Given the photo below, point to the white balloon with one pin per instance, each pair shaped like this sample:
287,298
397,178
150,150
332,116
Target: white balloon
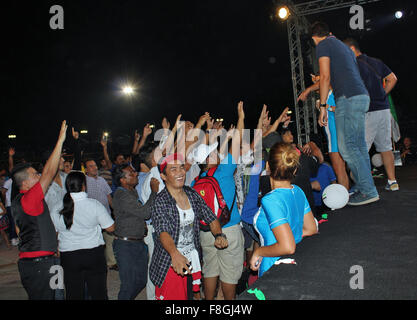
377,160
335,196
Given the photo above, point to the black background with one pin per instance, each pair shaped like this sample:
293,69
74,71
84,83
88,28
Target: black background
183,57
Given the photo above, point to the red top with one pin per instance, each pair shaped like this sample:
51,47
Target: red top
32,204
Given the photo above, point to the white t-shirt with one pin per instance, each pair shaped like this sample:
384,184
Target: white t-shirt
8,186
186,240
146,187
90,216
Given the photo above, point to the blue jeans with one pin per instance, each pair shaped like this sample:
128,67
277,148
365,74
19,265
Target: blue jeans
132,259
350,127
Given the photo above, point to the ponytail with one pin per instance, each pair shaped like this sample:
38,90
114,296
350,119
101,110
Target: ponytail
74,183
68,211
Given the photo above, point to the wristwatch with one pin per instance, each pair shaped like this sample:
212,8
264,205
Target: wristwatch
323,105
220,235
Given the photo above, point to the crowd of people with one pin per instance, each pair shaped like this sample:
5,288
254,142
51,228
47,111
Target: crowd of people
193,207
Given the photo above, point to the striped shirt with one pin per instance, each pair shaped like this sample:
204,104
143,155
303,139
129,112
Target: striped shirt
98,188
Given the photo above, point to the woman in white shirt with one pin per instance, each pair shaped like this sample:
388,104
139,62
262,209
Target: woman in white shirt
79,225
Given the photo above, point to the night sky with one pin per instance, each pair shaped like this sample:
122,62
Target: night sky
183,57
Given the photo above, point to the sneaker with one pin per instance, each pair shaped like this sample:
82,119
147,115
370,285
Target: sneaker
352,191
359,199
392,186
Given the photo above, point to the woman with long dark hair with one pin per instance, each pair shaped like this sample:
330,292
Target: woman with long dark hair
79,224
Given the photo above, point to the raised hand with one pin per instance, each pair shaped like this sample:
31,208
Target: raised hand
262,116
203,119
11,152
240,111
103,142
232,132
284,117
266,121
287,122
218,125
210,123
137,135
147,130
165,124
177,121
75,134
63,132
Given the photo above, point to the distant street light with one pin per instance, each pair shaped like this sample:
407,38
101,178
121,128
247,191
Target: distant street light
12,136
128,90
83,131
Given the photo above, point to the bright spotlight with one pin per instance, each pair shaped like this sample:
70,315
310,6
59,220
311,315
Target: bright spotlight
399,14
128,90
283,13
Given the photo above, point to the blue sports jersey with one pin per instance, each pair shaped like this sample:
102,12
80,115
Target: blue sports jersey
278,207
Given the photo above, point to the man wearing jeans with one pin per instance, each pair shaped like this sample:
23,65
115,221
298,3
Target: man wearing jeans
378,119
338,68
129,247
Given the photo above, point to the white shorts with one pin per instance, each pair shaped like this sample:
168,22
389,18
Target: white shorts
378,130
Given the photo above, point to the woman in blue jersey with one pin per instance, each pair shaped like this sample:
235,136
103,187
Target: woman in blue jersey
285,216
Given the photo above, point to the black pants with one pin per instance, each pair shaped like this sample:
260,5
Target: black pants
36,277
12,228
87,266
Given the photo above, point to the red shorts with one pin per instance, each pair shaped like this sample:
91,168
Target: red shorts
175,286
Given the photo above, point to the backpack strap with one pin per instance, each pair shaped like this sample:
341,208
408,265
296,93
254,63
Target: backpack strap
212,171
219,195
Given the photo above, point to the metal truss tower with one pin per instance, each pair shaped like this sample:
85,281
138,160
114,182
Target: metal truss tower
298,25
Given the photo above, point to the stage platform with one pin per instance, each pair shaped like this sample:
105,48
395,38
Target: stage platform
380,238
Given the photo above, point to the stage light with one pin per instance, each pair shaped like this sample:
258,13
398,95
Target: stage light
283,12
399,14
12,136
84,131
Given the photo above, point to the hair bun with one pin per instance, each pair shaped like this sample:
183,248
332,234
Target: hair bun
289,158
283,161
